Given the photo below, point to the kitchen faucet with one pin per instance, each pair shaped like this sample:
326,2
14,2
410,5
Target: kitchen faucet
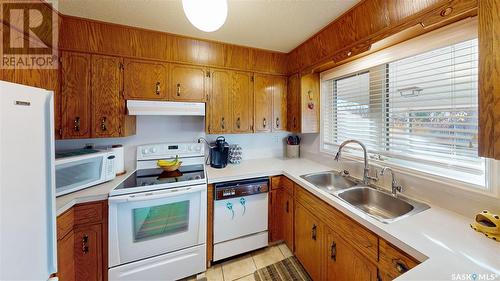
394,185
366,177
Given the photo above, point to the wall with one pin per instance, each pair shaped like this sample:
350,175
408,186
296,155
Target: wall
447,196
158,129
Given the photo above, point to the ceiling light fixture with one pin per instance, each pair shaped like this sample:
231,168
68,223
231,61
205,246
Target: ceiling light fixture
206,15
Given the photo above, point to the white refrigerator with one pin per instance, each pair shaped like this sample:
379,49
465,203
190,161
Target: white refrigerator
27,184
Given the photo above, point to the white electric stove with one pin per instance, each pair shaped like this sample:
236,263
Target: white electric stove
157,219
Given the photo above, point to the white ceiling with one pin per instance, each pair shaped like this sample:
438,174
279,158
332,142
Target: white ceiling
278,25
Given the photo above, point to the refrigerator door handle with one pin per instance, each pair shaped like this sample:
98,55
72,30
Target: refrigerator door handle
51,184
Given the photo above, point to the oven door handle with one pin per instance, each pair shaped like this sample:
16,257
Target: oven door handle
154,195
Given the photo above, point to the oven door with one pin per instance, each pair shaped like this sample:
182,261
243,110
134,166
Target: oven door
147,224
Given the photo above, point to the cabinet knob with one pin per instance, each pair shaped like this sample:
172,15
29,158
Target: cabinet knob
313,232
103,124
77,124
287,206
85,247
333,251
178,89
158,89
238,123
222,123
264,122
401,267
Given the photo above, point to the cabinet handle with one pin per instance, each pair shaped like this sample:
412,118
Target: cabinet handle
264,122
287,206
103,124
85,247
238,123
313,232
77,124
178,89
333,253
401,267
158,89
277,122
294,122
222,125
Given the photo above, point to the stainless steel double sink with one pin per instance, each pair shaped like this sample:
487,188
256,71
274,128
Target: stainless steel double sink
376,203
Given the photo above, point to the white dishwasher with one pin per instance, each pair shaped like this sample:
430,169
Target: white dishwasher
240,217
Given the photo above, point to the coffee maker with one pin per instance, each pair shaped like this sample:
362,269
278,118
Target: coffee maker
219,153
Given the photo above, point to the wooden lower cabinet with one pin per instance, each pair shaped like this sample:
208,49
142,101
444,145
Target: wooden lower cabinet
286,210
344,263
82,243
309,235
281,214
393,262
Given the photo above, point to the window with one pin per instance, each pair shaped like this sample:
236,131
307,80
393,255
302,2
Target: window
418,112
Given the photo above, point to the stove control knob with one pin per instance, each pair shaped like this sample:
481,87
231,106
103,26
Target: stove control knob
144,151
197,147
152,150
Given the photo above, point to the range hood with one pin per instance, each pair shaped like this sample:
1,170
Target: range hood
141,107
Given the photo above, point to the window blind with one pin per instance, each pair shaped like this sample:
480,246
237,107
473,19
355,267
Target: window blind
421,110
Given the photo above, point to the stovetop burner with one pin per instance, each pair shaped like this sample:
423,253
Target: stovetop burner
146,177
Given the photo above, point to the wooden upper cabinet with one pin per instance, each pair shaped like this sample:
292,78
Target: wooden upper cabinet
220,94
293,104
303,103
263,98
242,102
279,103
489,78
188,83
76,95
344,263
145,80
108,105
308,241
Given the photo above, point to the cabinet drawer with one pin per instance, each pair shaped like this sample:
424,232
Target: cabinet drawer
65,223
88,213
282,182
393,262
359,237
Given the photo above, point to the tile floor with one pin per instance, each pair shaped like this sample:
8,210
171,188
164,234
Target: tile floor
243,267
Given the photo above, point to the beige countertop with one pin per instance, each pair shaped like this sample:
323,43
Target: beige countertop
442,240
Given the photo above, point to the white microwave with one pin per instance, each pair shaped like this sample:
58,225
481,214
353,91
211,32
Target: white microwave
79,169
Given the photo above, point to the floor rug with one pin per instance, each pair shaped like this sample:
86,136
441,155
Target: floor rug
286,270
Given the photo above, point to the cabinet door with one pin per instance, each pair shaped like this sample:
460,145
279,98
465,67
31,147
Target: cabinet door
308,241
65,257
145,80
287,218
263,97
293,103
274,216
220,94
108,105
76,95
242,102
279,103
344,263
189,83
88,253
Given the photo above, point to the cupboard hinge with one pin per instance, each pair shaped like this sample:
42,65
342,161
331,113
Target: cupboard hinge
121,66
122,93
208,73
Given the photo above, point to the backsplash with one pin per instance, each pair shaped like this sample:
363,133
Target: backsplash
158,129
